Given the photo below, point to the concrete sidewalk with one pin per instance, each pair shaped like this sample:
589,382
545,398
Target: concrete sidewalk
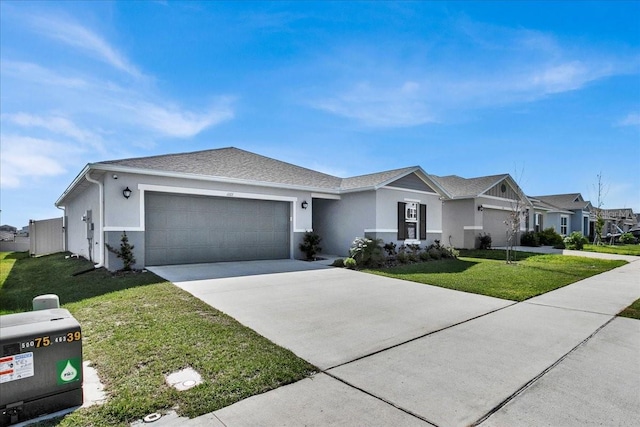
559,359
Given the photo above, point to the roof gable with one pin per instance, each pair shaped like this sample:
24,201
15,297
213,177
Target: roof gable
412,182
232,163
572,201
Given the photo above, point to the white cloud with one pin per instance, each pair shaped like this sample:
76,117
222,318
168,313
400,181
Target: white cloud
506,66
35,73
380,107
179,123
30,157
76,35
56,124
111,105
632,119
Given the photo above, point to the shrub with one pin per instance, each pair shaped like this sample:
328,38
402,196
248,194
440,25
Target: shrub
390,249
402,257
434,253
437,251
350,263
575,241
414,248
485,241
549,237
424,256
627,239
530,239
338,263
367,252
125,253
450,252
310,245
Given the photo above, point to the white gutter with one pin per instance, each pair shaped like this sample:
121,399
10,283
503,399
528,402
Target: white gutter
100,216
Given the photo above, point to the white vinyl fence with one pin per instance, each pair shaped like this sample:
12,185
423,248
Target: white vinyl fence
18,244
46,236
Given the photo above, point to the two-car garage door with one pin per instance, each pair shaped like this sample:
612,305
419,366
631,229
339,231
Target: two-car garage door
185,229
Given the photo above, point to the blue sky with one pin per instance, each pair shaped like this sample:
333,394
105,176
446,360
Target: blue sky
548,92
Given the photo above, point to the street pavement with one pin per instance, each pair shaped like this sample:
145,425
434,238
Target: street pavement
392,352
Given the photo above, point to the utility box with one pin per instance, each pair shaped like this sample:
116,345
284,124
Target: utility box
45,302
40,364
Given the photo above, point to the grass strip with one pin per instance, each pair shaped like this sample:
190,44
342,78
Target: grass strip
633,311
614,249
137,328
534,274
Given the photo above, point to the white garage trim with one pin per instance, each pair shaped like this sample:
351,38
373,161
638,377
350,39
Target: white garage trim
472,227
497,208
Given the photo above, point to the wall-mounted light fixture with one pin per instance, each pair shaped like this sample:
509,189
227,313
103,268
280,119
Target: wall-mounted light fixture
480,208
126,193
304,205
114,176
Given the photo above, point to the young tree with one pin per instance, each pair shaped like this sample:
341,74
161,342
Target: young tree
125,253
599,225
514,219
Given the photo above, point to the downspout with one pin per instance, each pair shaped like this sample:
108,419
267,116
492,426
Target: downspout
100,216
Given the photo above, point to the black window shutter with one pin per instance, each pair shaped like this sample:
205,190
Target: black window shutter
423,222
402,234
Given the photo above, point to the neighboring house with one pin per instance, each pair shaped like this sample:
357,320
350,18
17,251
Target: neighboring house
228,204
566,213
483,205
618,221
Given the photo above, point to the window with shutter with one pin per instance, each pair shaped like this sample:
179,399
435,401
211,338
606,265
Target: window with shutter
412,221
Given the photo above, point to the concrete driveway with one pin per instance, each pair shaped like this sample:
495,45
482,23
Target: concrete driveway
328,316
399,353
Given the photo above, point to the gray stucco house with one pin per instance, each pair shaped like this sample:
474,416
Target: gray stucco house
229,204
482,205
566,213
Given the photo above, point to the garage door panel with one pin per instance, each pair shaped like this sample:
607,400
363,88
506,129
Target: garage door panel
198,238
189,229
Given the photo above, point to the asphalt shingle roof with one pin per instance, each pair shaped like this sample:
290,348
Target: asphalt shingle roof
457,186
234,163
565,201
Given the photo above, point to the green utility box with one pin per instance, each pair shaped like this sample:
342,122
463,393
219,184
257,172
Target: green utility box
40,364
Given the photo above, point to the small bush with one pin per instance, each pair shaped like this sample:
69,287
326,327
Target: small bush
414,248
627,239
338,263
434,253
390,249
575,241
350,263
310,245
484,241
559,246
402,257
450,252
530,238
549,237
125,253
367,252
424,256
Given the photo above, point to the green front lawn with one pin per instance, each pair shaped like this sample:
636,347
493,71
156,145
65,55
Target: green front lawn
137,328
615,249
487,273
